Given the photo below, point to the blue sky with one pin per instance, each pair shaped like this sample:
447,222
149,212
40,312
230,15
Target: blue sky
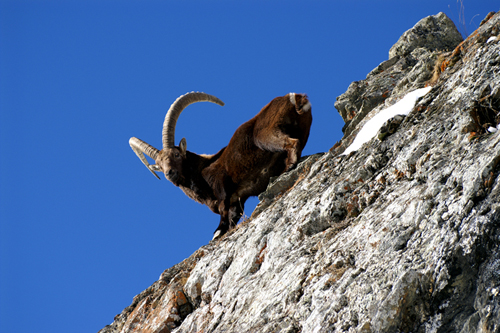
84,227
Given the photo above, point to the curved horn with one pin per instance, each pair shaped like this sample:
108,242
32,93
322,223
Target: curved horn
175,110
140,148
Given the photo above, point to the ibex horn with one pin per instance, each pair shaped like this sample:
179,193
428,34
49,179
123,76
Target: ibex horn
140,148
175,110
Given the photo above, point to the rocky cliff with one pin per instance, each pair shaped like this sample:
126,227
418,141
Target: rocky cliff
401,235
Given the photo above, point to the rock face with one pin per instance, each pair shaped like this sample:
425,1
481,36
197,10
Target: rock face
402,235
410,65
433,33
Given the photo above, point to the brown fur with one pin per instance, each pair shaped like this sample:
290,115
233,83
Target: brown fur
263,147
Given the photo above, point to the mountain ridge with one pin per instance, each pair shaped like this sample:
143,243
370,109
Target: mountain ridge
401,235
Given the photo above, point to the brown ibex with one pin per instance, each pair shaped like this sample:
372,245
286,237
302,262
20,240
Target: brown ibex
263,147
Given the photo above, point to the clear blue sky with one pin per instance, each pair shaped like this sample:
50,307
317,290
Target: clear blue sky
84,227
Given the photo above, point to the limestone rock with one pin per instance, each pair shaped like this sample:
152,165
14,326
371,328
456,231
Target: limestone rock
410,65
435,33
402,235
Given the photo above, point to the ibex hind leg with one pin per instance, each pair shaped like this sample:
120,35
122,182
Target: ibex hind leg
279,141
293,153
235,213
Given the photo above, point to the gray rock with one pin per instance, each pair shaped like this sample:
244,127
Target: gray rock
410,65
390,127
401,236
435,33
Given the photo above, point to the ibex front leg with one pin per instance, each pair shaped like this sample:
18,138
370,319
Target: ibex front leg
292,147
229,217
223,225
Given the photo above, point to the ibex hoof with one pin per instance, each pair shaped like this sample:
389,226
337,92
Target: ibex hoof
217,234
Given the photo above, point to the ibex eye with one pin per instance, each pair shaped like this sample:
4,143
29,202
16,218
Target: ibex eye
177,155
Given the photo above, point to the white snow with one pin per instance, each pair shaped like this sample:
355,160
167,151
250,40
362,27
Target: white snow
492,129
491,39
370,129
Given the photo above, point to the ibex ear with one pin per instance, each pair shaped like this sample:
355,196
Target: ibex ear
182,146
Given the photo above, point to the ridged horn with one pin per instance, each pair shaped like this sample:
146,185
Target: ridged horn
140,148
175,110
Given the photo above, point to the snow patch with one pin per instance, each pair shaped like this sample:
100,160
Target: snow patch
370,129
491,39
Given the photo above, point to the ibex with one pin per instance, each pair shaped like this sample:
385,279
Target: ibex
265,146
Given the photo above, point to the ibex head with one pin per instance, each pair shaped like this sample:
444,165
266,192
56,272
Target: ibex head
170,159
